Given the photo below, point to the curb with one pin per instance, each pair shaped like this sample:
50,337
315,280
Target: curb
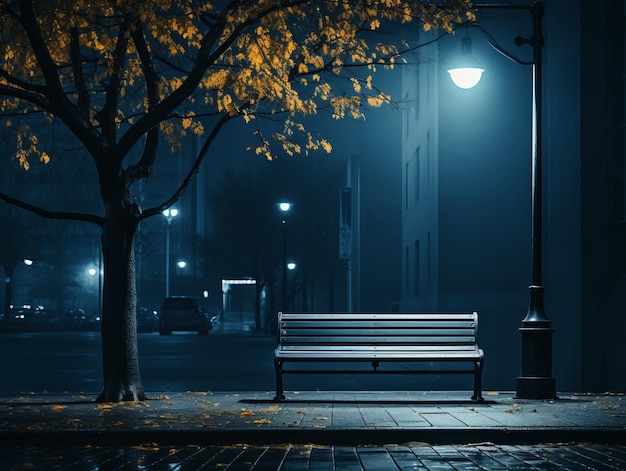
351,437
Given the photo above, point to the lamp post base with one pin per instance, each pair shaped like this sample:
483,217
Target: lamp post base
536,388
535,380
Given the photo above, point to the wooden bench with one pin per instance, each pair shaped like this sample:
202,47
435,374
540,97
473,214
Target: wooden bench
379,338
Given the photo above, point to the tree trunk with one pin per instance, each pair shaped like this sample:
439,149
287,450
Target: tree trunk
120,359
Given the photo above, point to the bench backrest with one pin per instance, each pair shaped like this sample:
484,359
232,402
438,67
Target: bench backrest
418,330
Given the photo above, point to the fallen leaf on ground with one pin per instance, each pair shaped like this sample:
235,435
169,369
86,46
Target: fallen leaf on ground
147,447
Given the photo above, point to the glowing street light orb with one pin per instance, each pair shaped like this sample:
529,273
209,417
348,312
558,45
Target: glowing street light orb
466,77
284,206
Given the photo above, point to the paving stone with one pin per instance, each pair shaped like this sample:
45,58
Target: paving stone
442,419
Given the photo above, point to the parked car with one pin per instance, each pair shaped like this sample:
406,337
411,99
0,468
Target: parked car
183,313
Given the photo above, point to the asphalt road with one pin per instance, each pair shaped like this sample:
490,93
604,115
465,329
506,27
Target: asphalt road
58,362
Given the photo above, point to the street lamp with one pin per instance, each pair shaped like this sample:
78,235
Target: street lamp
535,381
169,215
284,207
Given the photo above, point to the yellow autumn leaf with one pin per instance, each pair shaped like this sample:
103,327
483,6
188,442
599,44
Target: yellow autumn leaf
374,101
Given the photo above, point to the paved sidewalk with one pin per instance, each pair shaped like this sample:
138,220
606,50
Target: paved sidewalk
404,457
323,418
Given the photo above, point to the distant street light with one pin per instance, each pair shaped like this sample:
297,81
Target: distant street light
92,272
28,262
169,215
535,381
181,264
284,207
291,266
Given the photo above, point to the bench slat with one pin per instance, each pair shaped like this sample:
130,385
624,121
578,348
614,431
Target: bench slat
380,347
353,330
367,339
416,325
368,356
378,315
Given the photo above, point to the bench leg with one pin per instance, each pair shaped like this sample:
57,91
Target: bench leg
478,376
278,366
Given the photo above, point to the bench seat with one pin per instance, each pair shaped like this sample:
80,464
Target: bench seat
379,338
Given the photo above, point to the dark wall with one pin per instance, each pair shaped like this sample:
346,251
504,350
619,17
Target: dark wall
484,194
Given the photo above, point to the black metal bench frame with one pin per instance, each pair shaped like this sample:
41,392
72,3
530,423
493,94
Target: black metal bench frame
376,338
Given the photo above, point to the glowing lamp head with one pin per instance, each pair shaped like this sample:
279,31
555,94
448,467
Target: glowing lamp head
466,77
467,72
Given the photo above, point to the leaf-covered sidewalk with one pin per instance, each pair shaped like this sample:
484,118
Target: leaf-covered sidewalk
306,417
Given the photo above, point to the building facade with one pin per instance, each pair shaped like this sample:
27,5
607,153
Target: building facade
466,237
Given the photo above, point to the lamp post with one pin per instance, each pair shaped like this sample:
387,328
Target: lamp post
291,266
535,381
284,207
169,215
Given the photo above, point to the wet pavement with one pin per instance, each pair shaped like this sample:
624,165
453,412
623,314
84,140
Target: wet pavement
410,456
314,430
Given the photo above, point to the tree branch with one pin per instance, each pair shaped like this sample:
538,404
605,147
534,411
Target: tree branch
68,216
46,64
26,95
192,173
144,166
57,102
106,116
207,56
77,66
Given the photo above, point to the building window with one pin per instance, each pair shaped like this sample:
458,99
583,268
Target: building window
416,105
428,259
429,158
407,266
417,174
416,281
407,167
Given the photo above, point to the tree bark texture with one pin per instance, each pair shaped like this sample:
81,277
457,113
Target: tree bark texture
120,358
